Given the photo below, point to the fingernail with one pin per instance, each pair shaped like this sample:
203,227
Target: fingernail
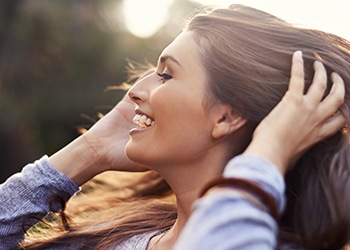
298,53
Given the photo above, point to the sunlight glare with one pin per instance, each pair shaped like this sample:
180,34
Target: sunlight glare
331,16
143,18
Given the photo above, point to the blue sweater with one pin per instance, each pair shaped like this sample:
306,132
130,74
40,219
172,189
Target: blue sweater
220,220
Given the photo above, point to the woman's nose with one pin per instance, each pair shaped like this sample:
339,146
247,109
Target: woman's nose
138,93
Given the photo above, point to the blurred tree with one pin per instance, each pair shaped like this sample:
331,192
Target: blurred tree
56,59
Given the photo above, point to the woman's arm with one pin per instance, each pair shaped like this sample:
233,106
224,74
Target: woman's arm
46,185
231,218
27,197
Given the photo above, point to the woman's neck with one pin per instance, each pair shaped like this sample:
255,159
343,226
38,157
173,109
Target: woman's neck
187,181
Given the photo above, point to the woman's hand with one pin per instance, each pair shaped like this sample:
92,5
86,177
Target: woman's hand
299,121
108,137
102,147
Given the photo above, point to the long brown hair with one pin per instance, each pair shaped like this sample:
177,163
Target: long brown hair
247,55
112,207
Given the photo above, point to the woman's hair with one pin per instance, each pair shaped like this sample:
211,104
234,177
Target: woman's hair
247,57
105,213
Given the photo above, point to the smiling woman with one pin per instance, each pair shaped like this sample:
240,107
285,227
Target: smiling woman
144,18
207,115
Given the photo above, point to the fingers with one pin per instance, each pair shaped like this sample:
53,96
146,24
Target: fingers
332,102
296,83
319,84
338,88
335,98
329,108
332,125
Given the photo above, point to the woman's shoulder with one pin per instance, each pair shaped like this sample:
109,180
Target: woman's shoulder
136,242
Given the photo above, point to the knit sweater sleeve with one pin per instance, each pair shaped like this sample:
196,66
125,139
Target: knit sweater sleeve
28,196
224,220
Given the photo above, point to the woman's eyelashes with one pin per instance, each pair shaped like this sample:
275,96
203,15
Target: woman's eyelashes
164,77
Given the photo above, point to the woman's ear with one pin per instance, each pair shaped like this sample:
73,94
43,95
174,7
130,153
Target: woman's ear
226,122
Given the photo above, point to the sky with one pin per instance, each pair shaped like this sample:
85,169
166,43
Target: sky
144,17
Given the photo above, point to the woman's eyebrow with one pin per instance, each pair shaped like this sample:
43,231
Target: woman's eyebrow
171,58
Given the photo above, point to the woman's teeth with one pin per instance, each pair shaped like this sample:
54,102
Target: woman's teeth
143,121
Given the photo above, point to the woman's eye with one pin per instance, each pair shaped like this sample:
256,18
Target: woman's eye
164,77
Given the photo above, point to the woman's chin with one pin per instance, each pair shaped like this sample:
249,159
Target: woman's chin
136,155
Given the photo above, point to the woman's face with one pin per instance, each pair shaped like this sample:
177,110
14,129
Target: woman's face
174,122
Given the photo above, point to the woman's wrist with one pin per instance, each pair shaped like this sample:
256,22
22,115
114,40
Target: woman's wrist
270,153
78,161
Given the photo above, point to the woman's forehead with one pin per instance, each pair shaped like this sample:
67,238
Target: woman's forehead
183,51
181,46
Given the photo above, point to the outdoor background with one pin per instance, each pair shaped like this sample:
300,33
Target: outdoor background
58,57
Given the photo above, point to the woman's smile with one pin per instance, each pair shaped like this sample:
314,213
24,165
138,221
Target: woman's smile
143,121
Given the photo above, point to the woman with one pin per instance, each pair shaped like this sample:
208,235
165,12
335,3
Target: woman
212,86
